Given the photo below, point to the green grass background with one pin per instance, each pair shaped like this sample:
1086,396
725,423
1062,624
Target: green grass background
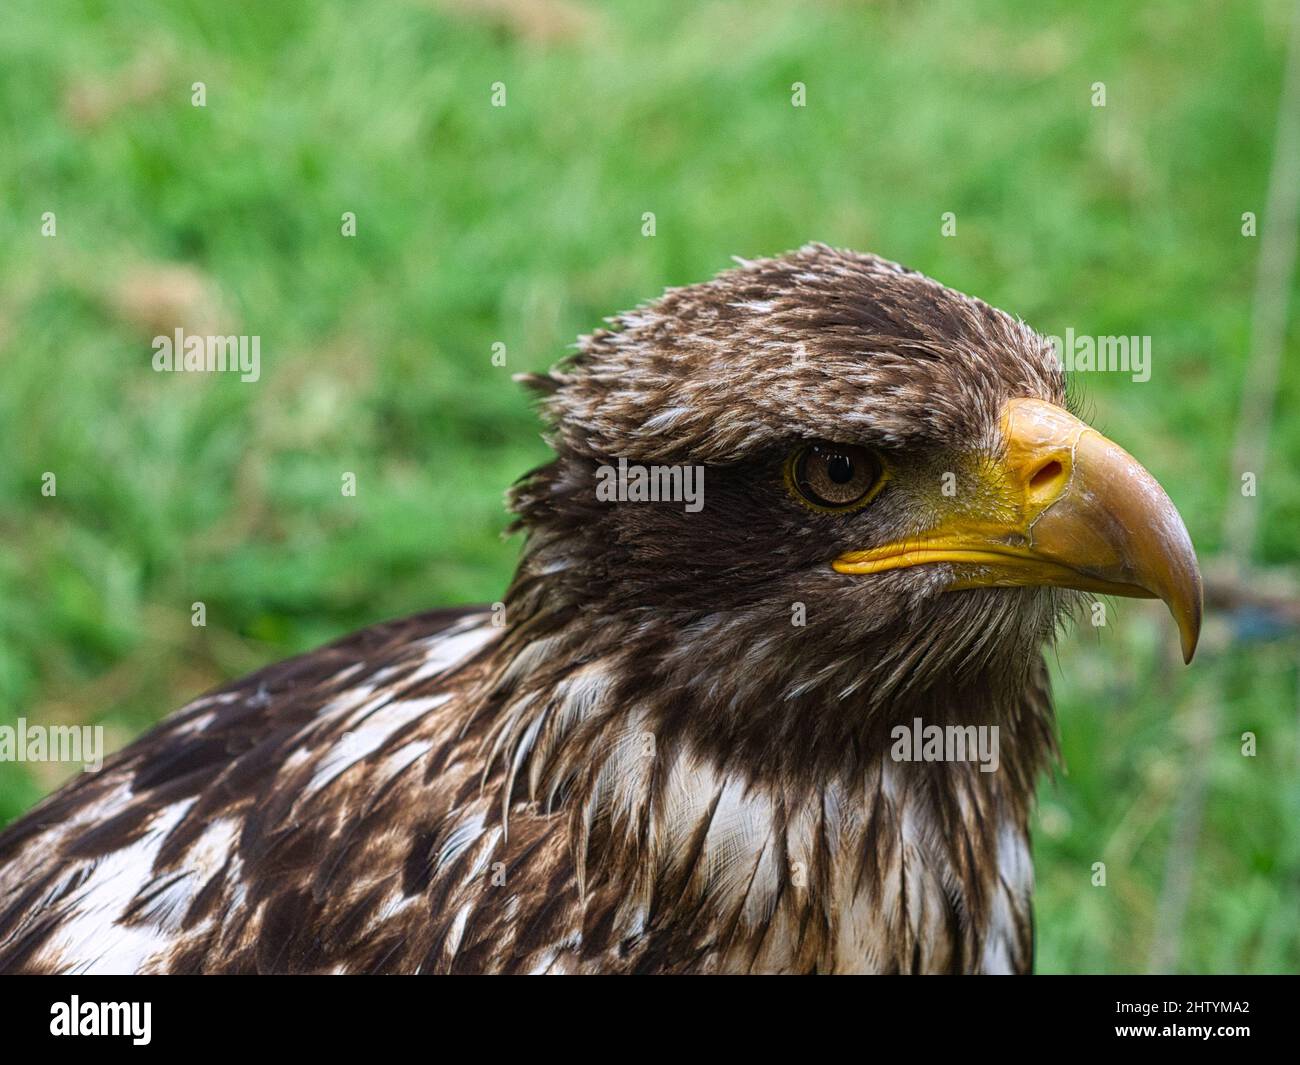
523,225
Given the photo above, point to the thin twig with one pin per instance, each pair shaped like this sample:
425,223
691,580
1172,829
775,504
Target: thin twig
1180,859
1275,273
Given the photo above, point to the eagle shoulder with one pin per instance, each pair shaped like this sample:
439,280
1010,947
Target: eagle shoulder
231,831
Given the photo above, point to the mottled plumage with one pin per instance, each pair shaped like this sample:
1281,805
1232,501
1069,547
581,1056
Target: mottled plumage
641,765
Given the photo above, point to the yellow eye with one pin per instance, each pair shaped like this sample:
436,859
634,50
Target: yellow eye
834,476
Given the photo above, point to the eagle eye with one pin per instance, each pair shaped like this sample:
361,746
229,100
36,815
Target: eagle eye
835,477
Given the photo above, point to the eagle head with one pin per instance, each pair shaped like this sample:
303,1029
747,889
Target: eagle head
893,504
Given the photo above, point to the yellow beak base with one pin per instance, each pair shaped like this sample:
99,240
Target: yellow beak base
1064,507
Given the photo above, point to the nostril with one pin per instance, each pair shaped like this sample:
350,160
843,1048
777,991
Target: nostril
1046,475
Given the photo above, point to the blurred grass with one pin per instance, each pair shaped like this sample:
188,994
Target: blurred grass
522,225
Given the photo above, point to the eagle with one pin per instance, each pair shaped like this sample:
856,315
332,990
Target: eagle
677,745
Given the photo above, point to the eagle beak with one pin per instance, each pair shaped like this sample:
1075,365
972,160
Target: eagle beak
1062,506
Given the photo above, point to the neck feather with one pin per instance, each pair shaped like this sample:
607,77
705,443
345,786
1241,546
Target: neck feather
718,761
